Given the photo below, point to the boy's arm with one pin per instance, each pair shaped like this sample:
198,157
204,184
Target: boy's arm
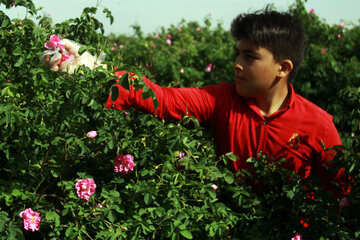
174,103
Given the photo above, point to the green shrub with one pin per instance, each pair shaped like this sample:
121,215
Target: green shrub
44,148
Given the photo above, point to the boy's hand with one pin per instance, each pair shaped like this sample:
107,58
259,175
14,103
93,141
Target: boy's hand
68,60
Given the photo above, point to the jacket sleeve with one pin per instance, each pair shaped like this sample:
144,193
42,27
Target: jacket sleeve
327,169
174,103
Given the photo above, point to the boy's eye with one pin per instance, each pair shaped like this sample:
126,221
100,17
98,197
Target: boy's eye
236,52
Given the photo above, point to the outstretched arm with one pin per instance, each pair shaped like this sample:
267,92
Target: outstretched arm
174,103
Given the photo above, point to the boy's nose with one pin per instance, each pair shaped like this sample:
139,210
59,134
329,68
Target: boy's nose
237,67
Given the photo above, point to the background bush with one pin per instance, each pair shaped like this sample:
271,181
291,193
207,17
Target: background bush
44,118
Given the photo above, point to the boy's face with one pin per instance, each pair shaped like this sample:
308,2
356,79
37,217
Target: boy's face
255,70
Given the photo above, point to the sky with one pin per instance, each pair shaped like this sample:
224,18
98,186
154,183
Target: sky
151,15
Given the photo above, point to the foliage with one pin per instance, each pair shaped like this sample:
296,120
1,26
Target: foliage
44,148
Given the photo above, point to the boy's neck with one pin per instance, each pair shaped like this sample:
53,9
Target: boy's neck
273,101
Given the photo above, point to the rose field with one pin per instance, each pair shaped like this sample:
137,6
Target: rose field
72,169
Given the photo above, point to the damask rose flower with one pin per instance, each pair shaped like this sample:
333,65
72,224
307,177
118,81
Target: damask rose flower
214,187
179,154
31,220
168,41
97,210
312,10
208,68
91,134
64,57
344,202
85,188
341,25
181,70
55,42
296,237
124,163
323,51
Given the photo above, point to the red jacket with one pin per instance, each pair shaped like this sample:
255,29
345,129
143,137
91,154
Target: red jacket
298,133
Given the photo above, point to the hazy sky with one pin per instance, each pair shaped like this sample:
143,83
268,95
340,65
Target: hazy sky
152,14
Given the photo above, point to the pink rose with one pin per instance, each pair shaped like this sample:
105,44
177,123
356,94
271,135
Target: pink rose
157,36
208,68
55,42
344,202
198,29
297,237
168,41
64,57
169,36
323,51
97,210
341,25
124,163
85,188
214,187
179,154
181,70
339,35
31,219
91,134
312,10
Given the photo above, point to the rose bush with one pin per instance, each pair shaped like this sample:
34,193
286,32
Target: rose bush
177,189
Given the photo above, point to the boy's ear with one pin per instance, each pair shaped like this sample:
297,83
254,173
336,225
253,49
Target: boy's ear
286,66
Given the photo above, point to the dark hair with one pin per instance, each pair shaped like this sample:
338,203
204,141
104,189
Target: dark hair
280,33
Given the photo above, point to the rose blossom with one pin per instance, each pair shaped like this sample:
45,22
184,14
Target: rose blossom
31,219
124,163
91,134
179,154
214,187
85,188
181,70
312,10
208,68
296,237
344,202
64,57
341,25
54,43
168,41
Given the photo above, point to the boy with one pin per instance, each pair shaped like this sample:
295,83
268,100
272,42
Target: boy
259,113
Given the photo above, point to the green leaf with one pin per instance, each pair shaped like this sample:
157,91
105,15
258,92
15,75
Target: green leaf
187,234
16,192
115,193
17,51
231,156
156,103
147,198
124,82
19,62
111,216
114,93
229,178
